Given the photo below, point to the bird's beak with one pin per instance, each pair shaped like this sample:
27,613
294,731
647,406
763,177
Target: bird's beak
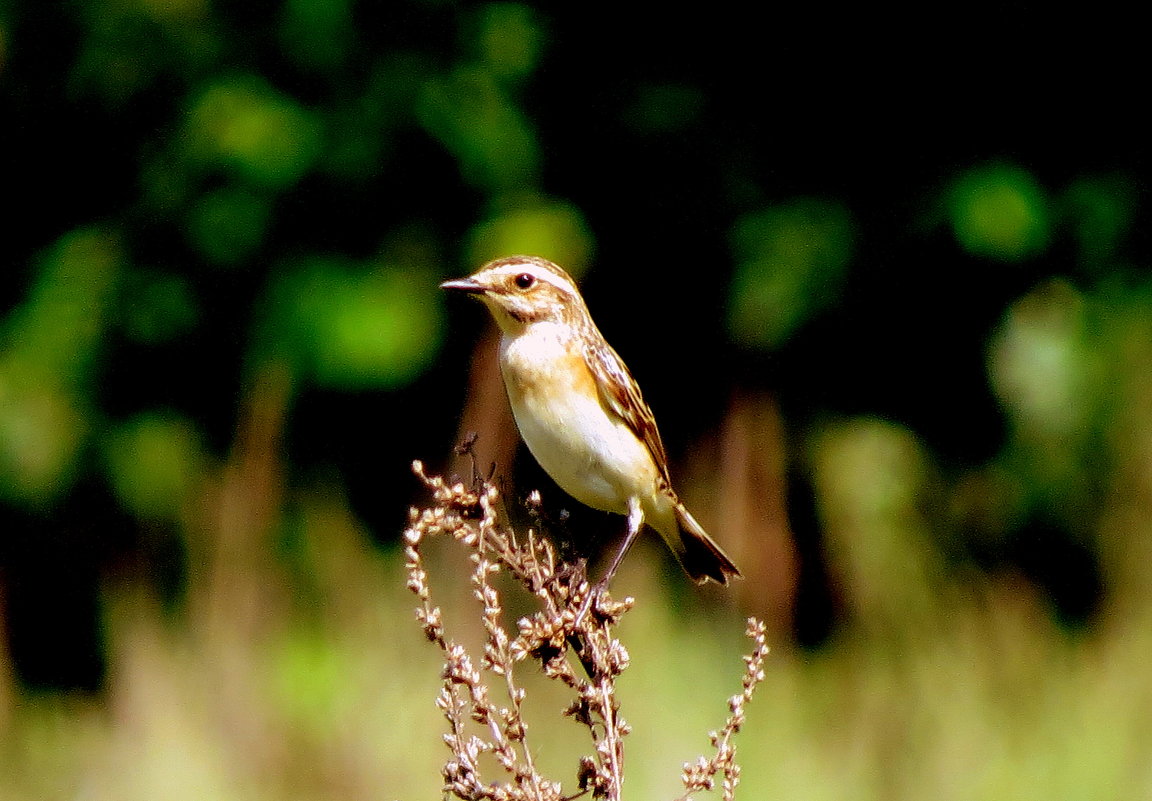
468,285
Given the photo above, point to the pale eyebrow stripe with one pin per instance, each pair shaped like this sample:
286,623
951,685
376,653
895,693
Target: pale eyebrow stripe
559,283
541,273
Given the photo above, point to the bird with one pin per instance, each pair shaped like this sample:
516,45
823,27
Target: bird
580,411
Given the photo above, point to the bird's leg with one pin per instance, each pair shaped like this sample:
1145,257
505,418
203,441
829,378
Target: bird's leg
635,523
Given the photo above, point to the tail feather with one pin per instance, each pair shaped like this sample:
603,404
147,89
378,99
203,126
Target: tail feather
699,554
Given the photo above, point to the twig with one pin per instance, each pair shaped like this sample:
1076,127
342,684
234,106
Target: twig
701,774
478,724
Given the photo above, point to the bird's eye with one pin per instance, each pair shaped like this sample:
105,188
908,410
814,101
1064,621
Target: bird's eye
525,280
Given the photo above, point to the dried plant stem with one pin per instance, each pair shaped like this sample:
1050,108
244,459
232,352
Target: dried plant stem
477,724
701,774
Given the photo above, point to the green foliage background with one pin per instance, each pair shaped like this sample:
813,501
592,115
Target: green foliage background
892,275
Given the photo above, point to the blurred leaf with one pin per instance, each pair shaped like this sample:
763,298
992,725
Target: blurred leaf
362,127
175,11
157,307
58,328
872,479
131,44
154,461
999,211
49,346
352,328
790,262
42,429
1101,210
554,229
474,118
228,225
1042,365
510,39
1046,366
262,135
317,33
3,43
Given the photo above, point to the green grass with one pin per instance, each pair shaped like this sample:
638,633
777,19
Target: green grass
307,679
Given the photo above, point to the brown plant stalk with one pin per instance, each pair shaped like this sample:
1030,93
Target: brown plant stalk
478,723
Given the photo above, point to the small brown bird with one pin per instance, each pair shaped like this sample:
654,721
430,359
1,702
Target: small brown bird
580,411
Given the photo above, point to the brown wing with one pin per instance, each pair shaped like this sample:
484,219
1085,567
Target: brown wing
620,393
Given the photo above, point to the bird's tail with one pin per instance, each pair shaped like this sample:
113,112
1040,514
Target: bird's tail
701,557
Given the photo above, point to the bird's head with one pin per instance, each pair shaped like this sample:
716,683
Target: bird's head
522,290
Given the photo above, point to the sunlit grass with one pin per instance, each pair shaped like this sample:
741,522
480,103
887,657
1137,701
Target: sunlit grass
328,694
293,668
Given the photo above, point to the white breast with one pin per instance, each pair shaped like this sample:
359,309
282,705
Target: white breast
590,453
